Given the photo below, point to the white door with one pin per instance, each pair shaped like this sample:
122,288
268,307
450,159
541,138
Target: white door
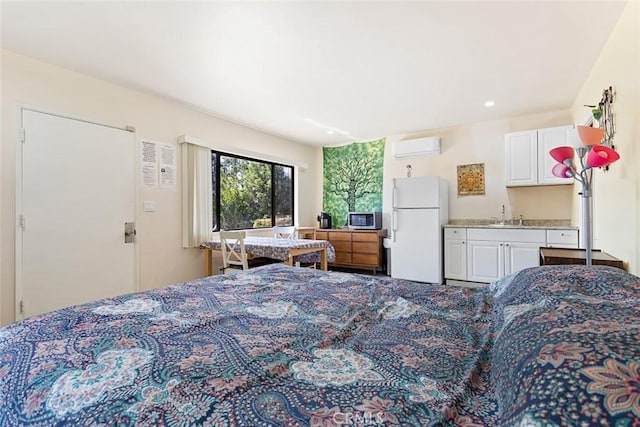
416,252
77,192
518,256
485,261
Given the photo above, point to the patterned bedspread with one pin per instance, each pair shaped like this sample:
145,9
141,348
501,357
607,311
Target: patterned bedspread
567,347
286,346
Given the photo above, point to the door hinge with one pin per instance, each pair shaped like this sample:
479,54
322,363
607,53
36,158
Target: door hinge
21,307
23,222
22,135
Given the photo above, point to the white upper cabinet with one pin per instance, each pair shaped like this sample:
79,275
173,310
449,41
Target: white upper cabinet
527,159
547,139
521,160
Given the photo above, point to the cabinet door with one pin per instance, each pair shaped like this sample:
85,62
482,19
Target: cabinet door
547,139
485,261
455,259
521,158
520,255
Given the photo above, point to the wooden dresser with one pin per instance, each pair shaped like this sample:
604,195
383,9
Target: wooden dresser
360,249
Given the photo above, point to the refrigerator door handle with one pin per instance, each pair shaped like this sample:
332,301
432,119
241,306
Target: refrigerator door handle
393,194
394,223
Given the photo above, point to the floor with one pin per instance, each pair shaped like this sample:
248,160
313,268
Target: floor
465,284
449,282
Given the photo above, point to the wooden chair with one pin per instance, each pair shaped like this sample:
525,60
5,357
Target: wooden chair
282,232
233,252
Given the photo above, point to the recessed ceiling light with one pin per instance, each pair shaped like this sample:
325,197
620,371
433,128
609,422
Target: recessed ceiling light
330,132
489,103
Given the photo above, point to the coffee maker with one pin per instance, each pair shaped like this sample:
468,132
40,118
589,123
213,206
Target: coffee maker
324,220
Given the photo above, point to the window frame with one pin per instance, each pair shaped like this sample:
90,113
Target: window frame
216,188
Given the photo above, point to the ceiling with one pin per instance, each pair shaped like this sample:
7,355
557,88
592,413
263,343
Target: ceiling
327,73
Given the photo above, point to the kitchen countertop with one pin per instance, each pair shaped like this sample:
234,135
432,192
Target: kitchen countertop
527,224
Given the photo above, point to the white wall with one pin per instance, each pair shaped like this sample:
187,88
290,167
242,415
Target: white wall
162,259
616,200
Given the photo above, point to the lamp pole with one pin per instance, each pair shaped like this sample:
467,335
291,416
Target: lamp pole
586,220
584,177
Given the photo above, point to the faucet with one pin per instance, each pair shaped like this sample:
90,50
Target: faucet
502,215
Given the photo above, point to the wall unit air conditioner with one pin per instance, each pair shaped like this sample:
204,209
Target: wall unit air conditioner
417,147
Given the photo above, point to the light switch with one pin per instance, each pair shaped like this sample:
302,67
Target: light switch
149,206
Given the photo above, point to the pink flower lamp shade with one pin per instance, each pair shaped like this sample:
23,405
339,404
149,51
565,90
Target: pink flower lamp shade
562,171
562,154
600,156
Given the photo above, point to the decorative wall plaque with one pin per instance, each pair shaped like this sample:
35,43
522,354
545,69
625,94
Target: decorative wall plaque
471,179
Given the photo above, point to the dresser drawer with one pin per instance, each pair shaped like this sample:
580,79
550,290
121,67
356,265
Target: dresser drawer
322,235
364,237
337,235
343,257
366,247
455,233
365,259
341,246
562,237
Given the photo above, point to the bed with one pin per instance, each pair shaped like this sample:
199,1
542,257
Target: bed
277,345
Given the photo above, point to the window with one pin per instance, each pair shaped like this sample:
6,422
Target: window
250,193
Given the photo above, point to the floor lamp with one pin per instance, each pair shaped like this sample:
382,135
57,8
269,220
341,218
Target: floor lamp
591,155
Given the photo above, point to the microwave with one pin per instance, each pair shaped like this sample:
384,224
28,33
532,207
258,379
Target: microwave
364,220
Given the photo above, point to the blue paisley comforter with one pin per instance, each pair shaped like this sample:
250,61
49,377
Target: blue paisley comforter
286,346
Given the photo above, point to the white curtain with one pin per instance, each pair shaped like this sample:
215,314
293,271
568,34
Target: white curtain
197,222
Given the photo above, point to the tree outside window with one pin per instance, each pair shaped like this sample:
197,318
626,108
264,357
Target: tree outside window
250,193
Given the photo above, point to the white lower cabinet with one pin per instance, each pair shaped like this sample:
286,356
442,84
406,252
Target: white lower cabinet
493,253
485,260
455,253
490,260
519,255
487,254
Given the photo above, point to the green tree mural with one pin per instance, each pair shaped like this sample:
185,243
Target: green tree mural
352,179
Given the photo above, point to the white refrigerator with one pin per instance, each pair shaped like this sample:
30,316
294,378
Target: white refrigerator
419,210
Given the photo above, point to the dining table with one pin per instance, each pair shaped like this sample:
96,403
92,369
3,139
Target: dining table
285,250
